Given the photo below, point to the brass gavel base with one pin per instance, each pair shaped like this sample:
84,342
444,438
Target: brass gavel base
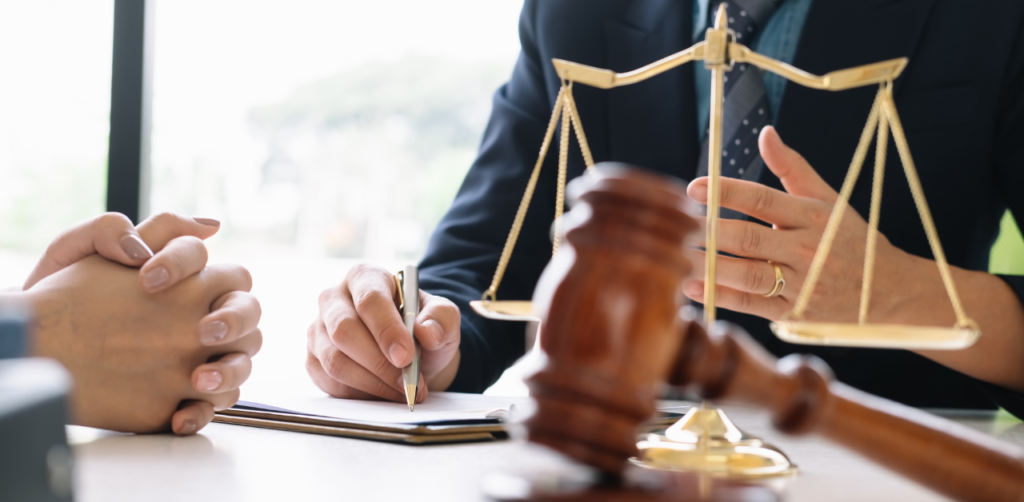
705,441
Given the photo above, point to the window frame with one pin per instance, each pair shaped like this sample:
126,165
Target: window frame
128,157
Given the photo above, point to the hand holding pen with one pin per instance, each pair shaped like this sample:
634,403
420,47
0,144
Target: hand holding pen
359,343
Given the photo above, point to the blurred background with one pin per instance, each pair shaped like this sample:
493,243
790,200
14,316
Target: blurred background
324,128
320,133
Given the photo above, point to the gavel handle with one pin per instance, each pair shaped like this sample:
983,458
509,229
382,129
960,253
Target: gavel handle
949,458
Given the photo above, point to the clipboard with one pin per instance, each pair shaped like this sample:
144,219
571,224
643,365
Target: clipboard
463,431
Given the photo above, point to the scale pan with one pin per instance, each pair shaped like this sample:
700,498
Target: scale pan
880,336
505,310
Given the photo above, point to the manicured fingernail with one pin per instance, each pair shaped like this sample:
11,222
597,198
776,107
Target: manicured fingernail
398,354
187,428
693,289
698,191
155,278
434,329
135,248
212,332
210,222
209,380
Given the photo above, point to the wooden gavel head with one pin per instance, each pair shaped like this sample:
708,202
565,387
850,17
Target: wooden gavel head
609,301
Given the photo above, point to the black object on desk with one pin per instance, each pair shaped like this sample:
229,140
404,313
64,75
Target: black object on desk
35,462
13,331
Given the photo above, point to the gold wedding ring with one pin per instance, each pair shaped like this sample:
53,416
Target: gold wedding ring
780,281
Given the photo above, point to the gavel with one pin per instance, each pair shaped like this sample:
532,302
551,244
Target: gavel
614,332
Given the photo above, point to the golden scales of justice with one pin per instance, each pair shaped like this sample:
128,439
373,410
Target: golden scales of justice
705,440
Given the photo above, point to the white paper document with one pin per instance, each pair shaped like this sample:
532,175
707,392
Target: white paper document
438,407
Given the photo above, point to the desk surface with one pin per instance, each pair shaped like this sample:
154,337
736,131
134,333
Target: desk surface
228,463
233,463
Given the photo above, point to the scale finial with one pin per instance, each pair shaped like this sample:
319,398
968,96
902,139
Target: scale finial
721,19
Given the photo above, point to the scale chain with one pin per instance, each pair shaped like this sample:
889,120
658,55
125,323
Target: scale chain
903,148
577,124
881,151
524,204
818,263
566,113
563,165
883,115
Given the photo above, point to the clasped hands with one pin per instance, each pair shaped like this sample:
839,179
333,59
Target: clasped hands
163,345
798,217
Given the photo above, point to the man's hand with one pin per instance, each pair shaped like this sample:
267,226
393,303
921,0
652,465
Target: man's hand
179,254
358,344
798,217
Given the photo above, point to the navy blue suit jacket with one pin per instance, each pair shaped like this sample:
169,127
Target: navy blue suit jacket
961,100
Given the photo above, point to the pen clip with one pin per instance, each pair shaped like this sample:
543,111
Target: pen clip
400,282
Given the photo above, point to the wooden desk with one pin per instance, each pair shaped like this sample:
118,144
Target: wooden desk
228,463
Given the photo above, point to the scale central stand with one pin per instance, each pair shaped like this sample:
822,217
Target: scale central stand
705,440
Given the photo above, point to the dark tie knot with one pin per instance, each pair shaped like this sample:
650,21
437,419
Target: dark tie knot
746,17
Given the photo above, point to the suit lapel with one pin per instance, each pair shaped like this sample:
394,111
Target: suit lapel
825,126
651,123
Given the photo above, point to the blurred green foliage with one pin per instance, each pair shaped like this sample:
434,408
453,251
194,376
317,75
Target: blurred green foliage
412,126
1008,251
1007,258
41,199
440,98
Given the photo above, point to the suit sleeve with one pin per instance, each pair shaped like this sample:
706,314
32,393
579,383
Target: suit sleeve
1009,159
463,251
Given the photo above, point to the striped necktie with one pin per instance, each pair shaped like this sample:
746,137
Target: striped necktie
746,104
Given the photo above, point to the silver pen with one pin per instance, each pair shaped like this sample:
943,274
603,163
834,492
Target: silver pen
411,309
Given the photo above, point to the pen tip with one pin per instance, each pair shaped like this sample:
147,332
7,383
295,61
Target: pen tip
410,395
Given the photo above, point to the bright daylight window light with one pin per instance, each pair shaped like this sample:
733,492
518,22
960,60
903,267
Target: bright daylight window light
55,100
321,133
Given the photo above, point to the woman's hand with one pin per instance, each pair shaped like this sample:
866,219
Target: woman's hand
168,249
798,217
114,237
137,358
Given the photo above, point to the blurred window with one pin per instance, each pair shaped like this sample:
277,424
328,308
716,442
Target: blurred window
325,128
321,133
54,120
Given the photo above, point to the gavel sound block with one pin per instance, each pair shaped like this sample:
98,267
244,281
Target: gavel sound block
612,332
